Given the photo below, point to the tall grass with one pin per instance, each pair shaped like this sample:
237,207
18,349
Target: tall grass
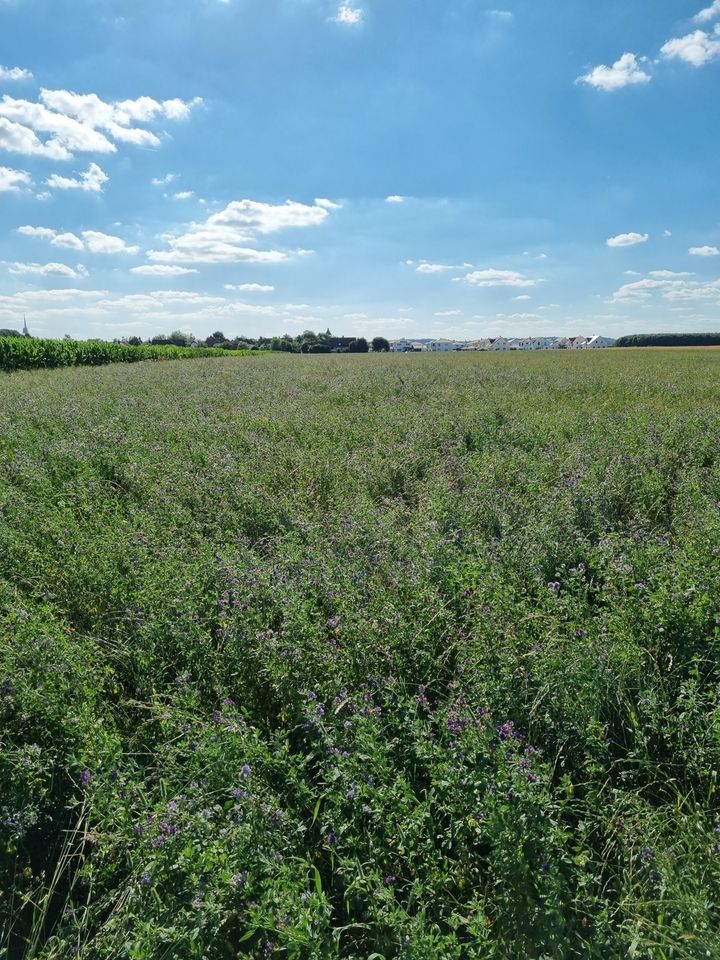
362,656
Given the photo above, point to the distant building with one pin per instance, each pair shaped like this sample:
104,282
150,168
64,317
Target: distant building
444,346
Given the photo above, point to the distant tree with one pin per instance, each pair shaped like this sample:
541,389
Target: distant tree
380,345
669,340
216,339
179,339
358,346
135,341
10,333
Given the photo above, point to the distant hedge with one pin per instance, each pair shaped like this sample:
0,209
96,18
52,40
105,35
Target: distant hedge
23,353
670,340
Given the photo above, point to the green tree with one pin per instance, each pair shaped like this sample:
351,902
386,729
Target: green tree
358,346
380,345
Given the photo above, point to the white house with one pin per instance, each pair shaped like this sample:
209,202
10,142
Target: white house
597,342
444,346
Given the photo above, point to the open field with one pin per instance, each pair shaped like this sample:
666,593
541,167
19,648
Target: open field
362,657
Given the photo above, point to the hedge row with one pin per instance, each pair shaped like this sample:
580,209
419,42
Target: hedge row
670,340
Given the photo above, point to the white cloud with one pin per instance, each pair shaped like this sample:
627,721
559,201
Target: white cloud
434,267
623,73
501,14
667,274
499,278
184,195
696,48
68,240
47,270
15,138
395,198
14,73
164,181
627,239
228,236
670,289
348,14
12,180
704,251
448,313
45,233
251,287
161,270
523,296
709,13
82,123
328,204
106,243
91,181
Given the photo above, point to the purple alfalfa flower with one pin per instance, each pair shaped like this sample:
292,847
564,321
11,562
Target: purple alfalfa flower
239,879
554,586
159,842
146,879
7,688
505,730
198,902
238,794
545,867
169,829
138,829
173,806
278,816
85,778
647,854
366,809
331,839
217,717
186,728
228,702
352,792
389,880
246,770
320,710
347,724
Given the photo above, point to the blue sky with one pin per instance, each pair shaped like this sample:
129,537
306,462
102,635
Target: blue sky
428,168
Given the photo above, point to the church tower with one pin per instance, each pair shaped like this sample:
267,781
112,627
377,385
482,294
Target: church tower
26,332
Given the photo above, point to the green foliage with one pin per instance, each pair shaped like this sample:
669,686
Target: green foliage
669,340
31,353
362,658
380,345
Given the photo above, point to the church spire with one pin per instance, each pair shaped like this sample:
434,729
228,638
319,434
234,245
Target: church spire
26,332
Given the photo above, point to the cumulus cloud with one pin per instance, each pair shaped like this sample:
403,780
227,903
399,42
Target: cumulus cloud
13,180
328,204
709,13
184,195
229,235
627,239
91,181
47,270
106,243
395,198
696,48
161,270
82,123
251,287
623,73
668,289
92,240
499,278
14,74
15,138
704,251
348,15
68,240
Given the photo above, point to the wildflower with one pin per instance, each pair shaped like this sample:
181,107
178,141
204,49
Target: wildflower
331,838
390,880
159,841
198,903
238,794
85,778
239,878
146,879
352,792
246,770
138,829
